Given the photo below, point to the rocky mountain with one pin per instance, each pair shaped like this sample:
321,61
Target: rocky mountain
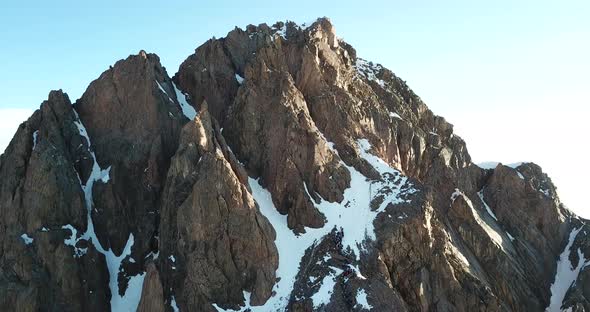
275,171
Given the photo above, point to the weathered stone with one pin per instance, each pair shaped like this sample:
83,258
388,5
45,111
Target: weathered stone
292,102
214,243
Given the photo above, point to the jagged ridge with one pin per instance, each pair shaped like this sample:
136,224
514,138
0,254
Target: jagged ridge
310,179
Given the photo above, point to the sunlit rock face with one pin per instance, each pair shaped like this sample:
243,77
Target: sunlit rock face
275,171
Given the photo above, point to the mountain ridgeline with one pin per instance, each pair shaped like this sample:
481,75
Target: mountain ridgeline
275,171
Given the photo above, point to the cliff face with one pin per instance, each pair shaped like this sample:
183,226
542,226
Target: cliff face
309,179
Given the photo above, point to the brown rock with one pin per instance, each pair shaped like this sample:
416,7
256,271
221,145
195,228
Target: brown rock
152,295
133,120
40,193
293,102
215,244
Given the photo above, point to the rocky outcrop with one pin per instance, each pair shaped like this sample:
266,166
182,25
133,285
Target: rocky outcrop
215,242
40,195
133,119
310,180
152,298
283,146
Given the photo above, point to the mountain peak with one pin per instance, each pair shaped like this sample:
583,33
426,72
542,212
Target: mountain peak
310,180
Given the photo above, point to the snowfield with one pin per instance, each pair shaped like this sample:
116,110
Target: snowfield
566,274
355,220
130,298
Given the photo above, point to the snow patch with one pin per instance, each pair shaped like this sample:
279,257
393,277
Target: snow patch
428,217
164,91
323,295
240,79
361,299
130,298
488,209
491,231
356,271
105,175
394,115
566,273
26,239
187,109
491,213
545,192
35,135
353,215
282,32
173,305
78,252
370,71
153,255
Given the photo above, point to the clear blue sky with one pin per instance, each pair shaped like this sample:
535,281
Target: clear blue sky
511,75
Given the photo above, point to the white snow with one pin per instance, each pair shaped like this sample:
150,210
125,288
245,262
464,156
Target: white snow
153,255
394,115
491,213
239,78
78,252
488,209
35,135
357,271
105,178
353,215
130,299
173,260
566,273
174,305
490,230
361,299
26,239
164,91
369,71
322,296
428,218
545,192
187,109
283,30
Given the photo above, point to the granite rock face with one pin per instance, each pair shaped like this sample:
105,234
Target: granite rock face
215,242
309,180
